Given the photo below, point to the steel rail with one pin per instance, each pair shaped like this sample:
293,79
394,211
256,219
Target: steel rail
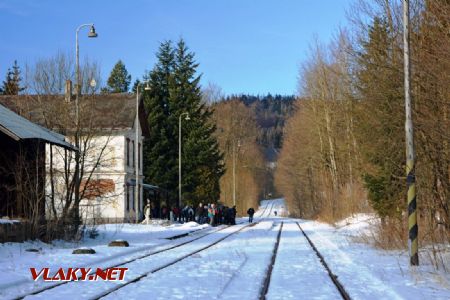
333,277
138,278
266,282
43,289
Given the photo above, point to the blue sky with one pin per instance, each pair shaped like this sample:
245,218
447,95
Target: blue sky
243,46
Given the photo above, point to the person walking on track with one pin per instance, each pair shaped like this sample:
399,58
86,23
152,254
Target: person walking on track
250,213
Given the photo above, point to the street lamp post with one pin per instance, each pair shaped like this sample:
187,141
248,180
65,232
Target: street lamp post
136,154
179,155
234,170
92,34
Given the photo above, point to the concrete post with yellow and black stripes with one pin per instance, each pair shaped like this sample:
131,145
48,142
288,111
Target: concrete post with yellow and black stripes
413,228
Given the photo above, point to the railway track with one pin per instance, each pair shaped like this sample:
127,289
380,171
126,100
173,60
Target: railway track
332,276
138,278
136,259
171,259
271,208
46,288
262,215
266,282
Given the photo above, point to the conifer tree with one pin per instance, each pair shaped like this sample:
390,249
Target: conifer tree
135,85
175,90
11,85
160,148
119,79
201,156
380,129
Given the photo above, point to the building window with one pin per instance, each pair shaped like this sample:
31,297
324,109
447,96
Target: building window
128,152
133,154
139,156
128,198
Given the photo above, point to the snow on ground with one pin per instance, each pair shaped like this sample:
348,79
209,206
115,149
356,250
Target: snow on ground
91,289
272,208
231,270
15,262
234,268
297,273
358,225
365,272
8,221
369,273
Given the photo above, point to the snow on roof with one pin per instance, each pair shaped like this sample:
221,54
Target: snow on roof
20,128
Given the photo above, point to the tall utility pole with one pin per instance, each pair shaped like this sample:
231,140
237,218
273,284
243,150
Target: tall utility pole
234,173
179,155
136,155
234,169
410,167
92,34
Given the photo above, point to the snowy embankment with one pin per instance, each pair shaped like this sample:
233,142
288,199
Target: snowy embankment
370,273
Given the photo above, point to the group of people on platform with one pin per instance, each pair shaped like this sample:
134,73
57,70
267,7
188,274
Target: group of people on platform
210,213
206,214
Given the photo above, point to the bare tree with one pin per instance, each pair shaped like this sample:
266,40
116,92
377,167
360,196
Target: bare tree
245,170
48,76
212,93
71,175
27,172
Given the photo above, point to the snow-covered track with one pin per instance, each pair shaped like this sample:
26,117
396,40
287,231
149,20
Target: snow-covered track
260,215
53,286
333,277
266,283
271,208
267,211
138,278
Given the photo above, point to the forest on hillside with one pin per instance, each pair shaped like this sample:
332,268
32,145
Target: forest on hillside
250,134
271,113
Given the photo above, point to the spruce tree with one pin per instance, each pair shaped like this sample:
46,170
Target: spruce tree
175,90
11,85
201,158
381,130
135,85
160,148
119,79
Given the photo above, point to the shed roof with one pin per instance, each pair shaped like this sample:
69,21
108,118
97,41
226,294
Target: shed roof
20,128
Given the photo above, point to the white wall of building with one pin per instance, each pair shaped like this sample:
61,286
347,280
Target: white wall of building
111,168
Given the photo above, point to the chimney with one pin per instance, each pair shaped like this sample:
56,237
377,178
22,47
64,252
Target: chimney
68,90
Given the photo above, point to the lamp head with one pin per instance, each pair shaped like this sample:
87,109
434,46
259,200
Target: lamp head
92,33
147,87
187,118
